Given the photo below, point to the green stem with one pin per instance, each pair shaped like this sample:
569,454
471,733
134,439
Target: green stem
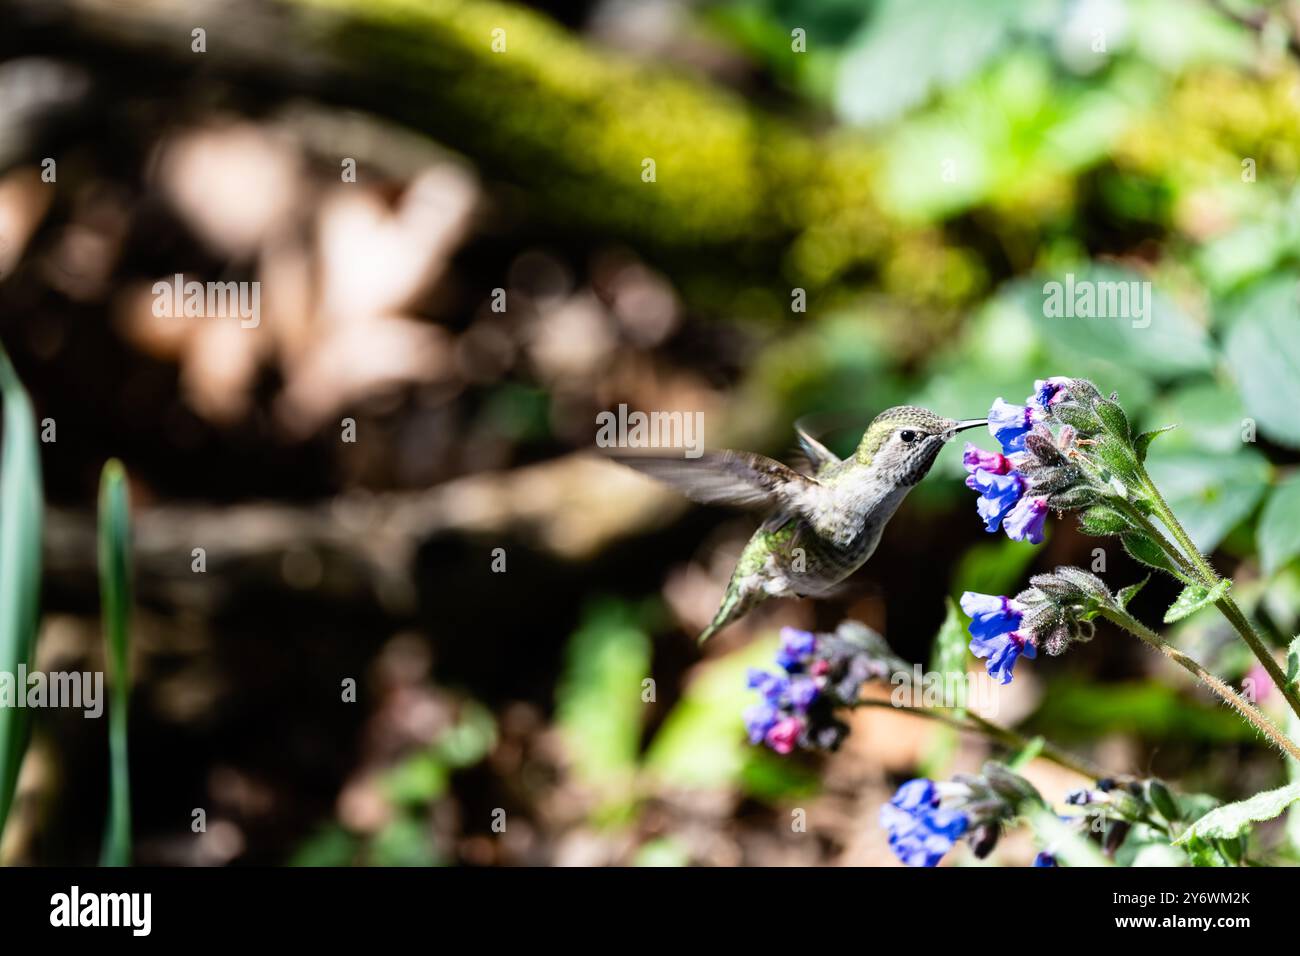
975,724
1217,686
1197,563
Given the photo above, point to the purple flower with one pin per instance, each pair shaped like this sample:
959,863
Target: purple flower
803,691
1049,391
991,614
796,646
920,833
772,686
975,458
917,794
1045,859
1024,522
1009,424
1002,651
999,494
784,734
759,719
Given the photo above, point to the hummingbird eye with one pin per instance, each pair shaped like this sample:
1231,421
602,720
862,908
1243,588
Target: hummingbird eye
907,436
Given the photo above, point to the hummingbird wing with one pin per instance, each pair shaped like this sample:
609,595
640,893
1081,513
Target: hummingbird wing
738,478
818,455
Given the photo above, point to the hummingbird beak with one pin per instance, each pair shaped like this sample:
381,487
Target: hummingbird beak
968,423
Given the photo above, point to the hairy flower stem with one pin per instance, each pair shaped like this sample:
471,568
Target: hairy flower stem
973,723
1198,567
1217,686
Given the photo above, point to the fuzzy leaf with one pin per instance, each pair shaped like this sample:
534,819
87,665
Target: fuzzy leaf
1142,548
1143,441
1234,819
1077,417
1113,419
1117,456
1102,520
1293,661
1193,598
1124,595
949,653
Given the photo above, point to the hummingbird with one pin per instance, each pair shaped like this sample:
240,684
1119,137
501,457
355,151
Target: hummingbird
822,526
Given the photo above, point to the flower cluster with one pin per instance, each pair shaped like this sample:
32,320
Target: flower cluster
820,672
1055,611
1033,473
925,820
920,831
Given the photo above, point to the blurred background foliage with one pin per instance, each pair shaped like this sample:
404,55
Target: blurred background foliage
919,169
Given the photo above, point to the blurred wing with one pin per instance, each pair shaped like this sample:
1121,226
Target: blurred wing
739,478
817,454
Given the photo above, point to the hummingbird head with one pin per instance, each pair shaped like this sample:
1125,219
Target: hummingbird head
902,442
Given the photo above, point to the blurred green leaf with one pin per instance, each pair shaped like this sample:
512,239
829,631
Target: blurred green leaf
1278,534
21,512
911,48
599,709
1172,344
1065,842
1263,351
1208,415
404,841
948,655
1210,494
330,846
416,780
1081,710
664,851
115,600
993,567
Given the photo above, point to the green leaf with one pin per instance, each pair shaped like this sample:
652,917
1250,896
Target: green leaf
1193,598
1209,414
1234,819
1144,440
115,608
993,567
1113,419
948,656
1210,494
21,509
1117,456
1278,533
1065,841
1263,351
908,50
1142,549
1103,520
1027,755
598,702
1124,595
1162,344
1293,660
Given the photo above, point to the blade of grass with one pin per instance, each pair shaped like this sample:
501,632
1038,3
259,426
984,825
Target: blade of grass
115,601
20,566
